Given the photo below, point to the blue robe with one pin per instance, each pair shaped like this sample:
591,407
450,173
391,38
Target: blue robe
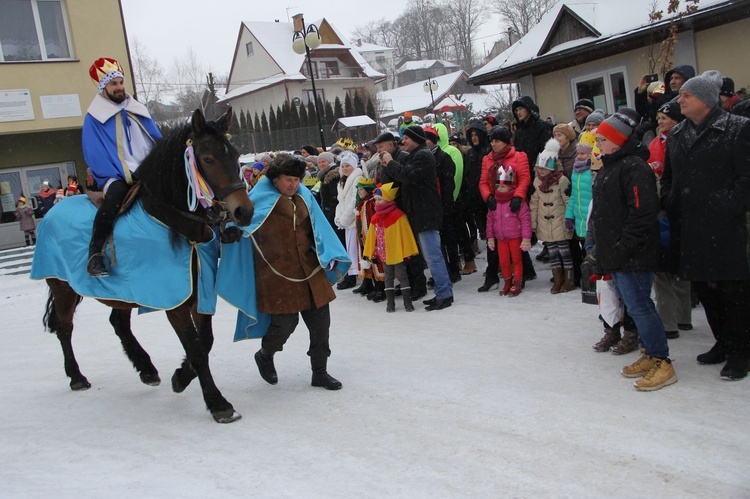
148,270
236,277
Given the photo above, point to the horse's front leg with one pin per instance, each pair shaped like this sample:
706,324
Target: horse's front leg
197,356
184,374
120,320
61,306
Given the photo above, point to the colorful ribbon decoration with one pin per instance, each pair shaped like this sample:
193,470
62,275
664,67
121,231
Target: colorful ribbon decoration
198,191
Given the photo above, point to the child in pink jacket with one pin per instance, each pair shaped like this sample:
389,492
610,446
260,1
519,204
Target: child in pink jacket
511,232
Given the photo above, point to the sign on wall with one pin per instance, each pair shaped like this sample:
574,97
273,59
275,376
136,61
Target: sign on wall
60,106
15,105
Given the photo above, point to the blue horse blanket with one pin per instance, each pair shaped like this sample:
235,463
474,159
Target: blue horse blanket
147,269
236,279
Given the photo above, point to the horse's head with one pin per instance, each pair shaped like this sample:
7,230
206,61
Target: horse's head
218,162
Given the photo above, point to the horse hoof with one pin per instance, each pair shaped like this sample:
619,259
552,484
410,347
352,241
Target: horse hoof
81,385
150,379
180,381
228,416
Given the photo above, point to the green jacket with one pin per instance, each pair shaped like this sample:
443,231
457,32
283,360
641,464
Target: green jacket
454,153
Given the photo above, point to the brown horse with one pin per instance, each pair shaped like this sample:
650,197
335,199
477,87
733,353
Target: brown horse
163,184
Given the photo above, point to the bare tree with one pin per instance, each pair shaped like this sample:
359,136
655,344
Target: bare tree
465,20
149,75
661,59
189,78
521,15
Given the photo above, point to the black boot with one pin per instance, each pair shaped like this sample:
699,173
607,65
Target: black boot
365,288
320,376
490,281
95,266
348,282
266,368
716,355
407,301
391,295
378,292
736,367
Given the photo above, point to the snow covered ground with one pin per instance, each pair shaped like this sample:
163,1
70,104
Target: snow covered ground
493,397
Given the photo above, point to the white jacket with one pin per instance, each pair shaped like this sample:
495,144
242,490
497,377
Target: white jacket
347,196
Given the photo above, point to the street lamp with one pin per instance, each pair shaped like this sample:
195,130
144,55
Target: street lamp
302,42
431,86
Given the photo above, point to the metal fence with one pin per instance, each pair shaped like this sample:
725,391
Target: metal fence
295,138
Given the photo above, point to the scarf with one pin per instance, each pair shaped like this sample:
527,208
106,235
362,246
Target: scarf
580,166
504,197
386,214
47,194
547,182
498,157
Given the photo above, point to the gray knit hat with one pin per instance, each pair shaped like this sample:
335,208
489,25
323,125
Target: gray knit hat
620,126
596,117
327,156
705,87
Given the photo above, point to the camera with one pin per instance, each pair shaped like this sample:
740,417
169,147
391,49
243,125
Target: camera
652,78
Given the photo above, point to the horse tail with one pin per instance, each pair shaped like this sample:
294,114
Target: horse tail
50,320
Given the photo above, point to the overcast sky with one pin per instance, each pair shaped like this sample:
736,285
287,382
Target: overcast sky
168,27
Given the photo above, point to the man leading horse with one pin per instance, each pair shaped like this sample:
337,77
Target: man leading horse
118,133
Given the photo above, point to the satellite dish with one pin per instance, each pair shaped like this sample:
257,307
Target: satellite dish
296,101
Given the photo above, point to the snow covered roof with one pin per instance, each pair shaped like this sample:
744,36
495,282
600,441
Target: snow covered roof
410,97
352,122
605,20
361,46
276,39
424,64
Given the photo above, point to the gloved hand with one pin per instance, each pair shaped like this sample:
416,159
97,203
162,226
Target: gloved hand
491,203
570,225
515,204
491,244
534,239
525,245
231,235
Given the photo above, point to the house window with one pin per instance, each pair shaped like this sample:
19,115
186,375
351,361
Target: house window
307,96
606,88
33,30
314,69
249,48
330,69
379,58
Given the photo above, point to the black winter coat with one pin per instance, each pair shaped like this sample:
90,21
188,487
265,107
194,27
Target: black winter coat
419,189
446,171
705,189
531,136
473,170
625,210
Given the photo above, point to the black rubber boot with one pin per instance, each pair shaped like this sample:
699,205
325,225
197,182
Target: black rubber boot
391,295
95,266
408,306
320,376
266,368
364,288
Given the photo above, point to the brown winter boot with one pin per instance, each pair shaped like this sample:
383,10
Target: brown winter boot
469,268
611,338
506,287
627,344
515,287
661,374
557,273
569,281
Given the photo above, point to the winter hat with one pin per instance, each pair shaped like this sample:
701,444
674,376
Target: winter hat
59,194
505,174
500,133
387,191
370,146
455,137
620,126
705,87
258,165
548,157
672,109
566,130
415,133
431,134
656,88
349,158
104,70
727,87
21,200
45,183
586,143
72,189
384,137
367,184
407,115
596,117
327,156
585,104
490,119
265,157
310,150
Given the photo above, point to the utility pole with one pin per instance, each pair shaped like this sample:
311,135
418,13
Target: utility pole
210,108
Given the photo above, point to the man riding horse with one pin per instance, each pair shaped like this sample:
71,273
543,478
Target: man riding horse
118,133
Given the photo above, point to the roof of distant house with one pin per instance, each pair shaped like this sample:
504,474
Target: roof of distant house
425,64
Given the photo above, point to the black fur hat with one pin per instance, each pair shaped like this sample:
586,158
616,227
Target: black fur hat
286,164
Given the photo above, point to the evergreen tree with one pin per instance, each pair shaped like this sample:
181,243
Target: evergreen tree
371,110
303,119
338,111
348,107
249,122
238,126
294,119
272,124
282,117
312,116
330,117
257,125
359,105
264,122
